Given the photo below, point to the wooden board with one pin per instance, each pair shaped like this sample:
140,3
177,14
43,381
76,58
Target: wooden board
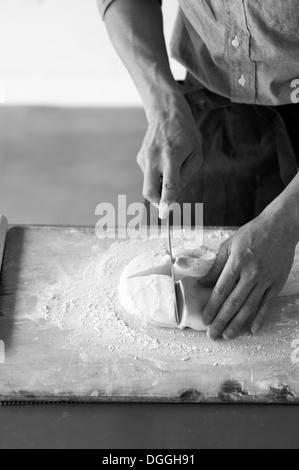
43,365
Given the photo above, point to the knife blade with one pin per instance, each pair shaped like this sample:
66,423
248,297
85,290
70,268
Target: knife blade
172,261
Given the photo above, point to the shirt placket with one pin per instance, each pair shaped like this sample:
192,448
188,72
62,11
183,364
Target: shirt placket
242,70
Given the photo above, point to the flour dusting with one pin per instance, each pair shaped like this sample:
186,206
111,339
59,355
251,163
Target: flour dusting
87,305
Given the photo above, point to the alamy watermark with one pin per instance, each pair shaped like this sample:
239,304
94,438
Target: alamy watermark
139,220
295,93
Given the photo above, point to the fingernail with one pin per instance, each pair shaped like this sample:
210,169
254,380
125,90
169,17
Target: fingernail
228,335
163,211
255,329
207,320
213,334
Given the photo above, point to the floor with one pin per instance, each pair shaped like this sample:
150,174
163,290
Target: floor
133,426
57,165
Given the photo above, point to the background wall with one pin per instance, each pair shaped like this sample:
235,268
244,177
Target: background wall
77,146
57,52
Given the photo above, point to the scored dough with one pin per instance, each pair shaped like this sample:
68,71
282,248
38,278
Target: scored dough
193,263
189,263
146,288
149,298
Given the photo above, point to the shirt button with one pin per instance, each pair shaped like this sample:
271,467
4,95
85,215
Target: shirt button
242,81
236,42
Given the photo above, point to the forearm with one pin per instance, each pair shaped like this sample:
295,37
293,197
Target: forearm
136,31
287,207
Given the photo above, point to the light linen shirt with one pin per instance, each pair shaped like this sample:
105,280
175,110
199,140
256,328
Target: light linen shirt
244,50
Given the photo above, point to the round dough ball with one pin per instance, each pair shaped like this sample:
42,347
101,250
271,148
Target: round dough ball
146,288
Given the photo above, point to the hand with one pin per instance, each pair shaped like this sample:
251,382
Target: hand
172,149
251,270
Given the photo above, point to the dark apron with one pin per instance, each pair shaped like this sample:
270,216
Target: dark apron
249,156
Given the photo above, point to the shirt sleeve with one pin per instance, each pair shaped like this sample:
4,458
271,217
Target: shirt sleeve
104,5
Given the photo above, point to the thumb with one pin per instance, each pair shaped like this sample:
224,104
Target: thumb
210,280
151,185
170,191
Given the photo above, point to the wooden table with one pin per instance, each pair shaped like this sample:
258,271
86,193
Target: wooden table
105,425
40,368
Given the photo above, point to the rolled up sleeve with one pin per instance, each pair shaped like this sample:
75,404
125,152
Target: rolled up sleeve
104,5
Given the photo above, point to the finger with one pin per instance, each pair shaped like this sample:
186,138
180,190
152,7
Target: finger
230,308
170,190
249,309
213,275
152,185
223,289
267,302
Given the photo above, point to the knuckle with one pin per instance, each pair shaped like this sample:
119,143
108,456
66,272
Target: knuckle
253,275
220,324
238,261
221,292
170,186
172,146
179,141
149,194
234,303
255,269
252,305
235,266
236,325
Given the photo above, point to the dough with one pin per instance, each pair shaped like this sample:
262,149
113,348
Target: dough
292,285
189,263
193,263
149,298
146,288
192,300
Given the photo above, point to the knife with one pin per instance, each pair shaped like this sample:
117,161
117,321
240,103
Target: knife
172,261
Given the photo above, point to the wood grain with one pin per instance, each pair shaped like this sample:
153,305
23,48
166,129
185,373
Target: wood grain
42,365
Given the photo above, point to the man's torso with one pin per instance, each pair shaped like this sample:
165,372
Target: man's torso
245,50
